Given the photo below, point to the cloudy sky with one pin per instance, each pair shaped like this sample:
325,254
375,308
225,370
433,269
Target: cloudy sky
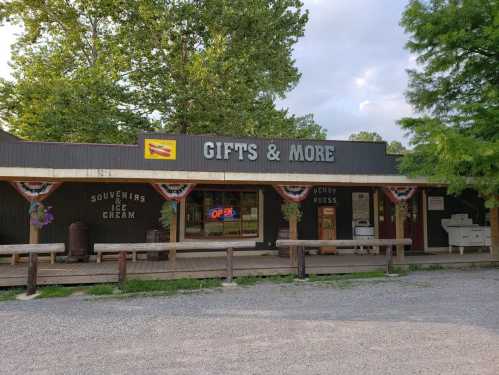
353,63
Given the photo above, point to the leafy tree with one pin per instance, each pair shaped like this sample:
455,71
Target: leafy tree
456,91
396,148
99,71
66,75
364,136
393,147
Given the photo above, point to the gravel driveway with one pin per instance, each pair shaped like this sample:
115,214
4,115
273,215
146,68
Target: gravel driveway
425,323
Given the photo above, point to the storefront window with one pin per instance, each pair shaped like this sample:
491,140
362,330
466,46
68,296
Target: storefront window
222,214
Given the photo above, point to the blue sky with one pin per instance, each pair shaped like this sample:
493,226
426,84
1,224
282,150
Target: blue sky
352,61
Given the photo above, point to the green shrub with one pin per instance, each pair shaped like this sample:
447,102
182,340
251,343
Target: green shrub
55,292
101,290
9,294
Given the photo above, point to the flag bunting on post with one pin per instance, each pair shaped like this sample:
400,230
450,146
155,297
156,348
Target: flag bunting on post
398,194
294,193
35,190
173,192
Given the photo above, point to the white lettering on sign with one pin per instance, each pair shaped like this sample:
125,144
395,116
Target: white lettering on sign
224,150
249,151
324,195
119,203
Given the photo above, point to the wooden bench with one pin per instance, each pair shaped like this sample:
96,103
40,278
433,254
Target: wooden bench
298,248
16,250
32,250
345,243
172,247
123,248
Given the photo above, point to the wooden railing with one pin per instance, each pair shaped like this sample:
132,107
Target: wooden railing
32,250
298,249
172,247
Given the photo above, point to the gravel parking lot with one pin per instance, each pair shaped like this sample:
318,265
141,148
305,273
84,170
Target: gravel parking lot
425,323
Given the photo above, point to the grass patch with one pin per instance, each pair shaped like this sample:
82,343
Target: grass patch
169,286
101,290
9,294
253,280
55,292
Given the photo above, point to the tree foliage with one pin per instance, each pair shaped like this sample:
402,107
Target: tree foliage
456,91
393,147
99,71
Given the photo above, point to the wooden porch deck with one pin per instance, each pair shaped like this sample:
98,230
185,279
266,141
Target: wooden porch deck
83,273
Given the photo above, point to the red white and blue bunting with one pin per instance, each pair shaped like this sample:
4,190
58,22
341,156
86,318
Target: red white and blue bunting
35,190
294,193
398,194
174,192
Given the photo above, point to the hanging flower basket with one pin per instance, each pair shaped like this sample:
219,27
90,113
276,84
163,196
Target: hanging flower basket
168,210
290,209
40,215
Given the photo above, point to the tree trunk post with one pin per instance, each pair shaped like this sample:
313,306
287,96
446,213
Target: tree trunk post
34,238
172,257
32,274
388,259
122,269
230,265
494,232
399,231
302,274
293,235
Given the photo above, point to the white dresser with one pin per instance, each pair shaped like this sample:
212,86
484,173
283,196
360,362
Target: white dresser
462,232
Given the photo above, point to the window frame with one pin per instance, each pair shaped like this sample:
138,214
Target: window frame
240,206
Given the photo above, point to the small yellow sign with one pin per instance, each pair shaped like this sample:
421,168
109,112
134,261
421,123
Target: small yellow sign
163,149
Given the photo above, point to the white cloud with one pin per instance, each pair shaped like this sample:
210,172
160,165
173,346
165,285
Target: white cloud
364,79
363,105
353,64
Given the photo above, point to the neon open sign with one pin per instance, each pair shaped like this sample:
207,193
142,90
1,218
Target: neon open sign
221,213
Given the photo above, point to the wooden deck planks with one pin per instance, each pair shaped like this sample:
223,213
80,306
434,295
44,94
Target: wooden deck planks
82,273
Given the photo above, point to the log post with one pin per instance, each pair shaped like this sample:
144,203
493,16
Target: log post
230,265
494,231
34,234
388,258
122,269
34,238
301,263
376,218
32,274
399,230
172,256
293,235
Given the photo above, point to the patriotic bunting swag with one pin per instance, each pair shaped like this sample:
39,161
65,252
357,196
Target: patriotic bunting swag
400,194
35,191
174,192
293,193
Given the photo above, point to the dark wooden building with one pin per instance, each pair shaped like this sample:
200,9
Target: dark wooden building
110,189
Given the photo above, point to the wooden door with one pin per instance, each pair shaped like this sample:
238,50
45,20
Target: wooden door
386,212
413,223
327,227
413,226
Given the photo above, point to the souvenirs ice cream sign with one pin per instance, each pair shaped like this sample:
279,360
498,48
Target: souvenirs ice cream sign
117,204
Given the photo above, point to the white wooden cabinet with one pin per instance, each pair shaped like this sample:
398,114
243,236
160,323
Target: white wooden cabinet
462,232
